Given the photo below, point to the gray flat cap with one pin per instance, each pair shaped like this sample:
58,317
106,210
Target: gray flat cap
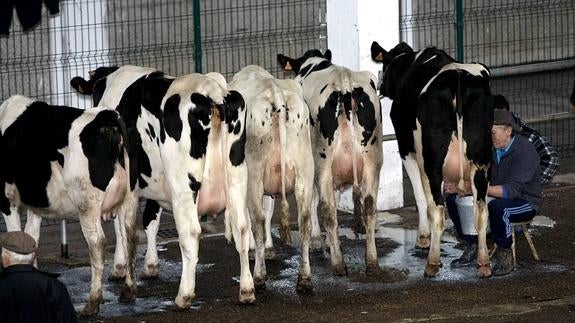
503,117
18,241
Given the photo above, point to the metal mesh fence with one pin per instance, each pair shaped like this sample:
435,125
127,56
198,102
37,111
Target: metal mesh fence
510,37
155,33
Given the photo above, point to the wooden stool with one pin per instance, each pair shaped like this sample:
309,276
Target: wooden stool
523,226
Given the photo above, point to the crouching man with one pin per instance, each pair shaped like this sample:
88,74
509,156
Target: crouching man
26,293
515,184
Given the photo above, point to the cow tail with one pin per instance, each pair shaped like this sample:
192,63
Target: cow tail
359,226
459,114
281,108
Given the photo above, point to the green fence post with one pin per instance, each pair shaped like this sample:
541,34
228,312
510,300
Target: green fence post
459,29
197,37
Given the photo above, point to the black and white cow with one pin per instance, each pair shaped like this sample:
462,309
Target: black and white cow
345,116
279,159
62,162
111,90
187,137
442,119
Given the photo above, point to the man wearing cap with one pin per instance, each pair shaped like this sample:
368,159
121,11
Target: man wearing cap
549,158
515,184
26,293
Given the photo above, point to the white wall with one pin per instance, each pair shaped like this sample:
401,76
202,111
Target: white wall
76,34
351,28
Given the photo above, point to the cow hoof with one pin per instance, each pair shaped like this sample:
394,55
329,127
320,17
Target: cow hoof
340,270
304,285
260,283
182,303
119,273
150,272
431,270
423,242
92,307
247,296
372,269
127,295
484,271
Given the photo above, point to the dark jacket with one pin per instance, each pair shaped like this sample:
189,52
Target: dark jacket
30,295
519,173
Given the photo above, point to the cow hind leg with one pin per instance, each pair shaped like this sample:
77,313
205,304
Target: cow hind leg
127,217
255,194
12,220
240,225
151,218
436,221
316,242
94,235
303,197
328,212
423,234
33,224
189,230
118,272
479,188
268,204
371,184
240,231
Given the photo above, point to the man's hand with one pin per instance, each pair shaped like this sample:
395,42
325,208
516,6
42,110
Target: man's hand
452,187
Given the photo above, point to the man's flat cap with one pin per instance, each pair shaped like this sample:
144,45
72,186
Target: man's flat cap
503,117
18,241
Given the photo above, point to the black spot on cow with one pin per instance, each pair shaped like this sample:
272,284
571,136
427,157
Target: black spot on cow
365,114
150,213
98,91
327,117
238,150
263,123
314,68
374,140
199,120
322,89
372,85
311,121
481,182
322,155
233,104
194,184
102,144
151,131
172,122
294,65
297,116
156,85
26,154
238,127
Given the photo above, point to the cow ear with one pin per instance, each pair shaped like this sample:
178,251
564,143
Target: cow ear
377,52
327,55
287,63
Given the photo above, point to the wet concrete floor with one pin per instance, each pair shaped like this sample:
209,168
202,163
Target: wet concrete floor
218,270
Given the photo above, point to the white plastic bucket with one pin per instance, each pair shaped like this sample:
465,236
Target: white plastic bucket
465,210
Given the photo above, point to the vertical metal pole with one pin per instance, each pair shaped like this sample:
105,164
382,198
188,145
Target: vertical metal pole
459,29
64,242
197,37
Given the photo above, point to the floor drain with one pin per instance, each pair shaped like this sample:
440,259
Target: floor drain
168,233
